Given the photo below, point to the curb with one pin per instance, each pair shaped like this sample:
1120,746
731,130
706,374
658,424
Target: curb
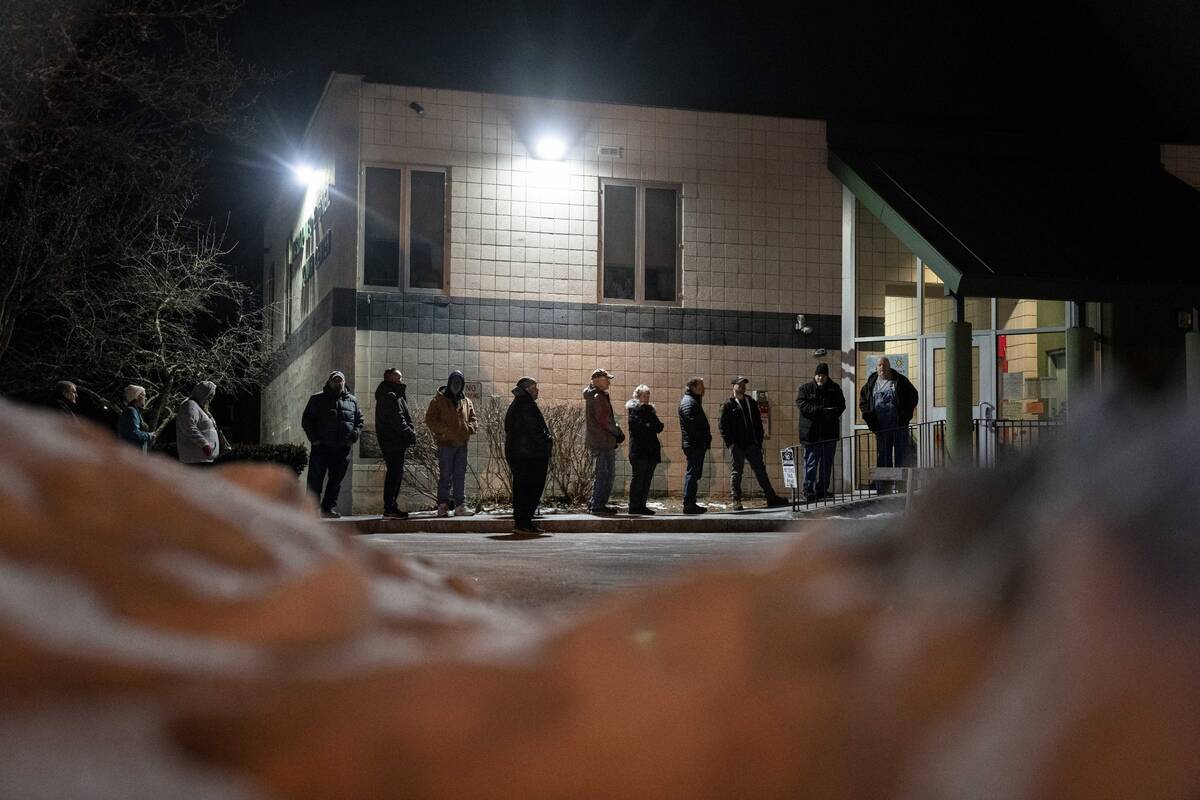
757,521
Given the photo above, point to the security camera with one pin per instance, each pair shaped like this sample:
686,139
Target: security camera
819,352
802,326
417,107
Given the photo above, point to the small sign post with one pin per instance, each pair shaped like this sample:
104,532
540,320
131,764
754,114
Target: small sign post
788,457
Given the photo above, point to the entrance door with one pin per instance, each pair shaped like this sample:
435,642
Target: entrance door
983,378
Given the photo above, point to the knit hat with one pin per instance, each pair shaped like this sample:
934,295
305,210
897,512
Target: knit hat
133,392
822,369
334,374
523,384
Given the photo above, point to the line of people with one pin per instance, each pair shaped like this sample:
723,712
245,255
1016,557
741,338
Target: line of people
197,437
333,422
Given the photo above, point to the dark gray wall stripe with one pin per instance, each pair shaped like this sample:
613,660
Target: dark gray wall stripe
484,316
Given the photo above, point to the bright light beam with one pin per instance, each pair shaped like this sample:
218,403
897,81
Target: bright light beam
550,148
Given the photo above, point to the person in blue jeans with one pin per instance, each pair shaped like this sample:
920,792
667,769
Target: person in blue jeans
451,419
696,437
821,403
887,401
603,436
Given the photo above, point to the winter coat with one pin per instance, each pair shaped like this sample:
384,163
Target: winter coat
195,428
393,423
526,434
130,428
644,428
820,407
906,400
332,419
694,429
732,423
601,428
451,426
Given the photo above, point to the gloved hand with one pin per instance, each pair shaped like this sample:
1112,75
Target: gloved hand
354,437
620,435
207,450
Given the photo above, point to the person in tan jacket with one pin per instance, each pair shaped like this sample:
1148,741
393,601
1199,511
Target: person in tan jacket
451,419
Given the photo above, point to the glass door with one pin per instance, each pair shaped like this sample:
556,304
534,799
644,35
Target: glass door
983,378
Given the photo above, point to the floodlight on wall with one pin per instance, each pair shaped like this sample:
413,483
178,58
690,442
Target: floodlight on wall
418,108
550,148
307,176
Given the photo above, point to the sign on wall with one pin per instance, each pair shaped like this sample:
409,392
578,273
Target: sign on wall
899,362
473,390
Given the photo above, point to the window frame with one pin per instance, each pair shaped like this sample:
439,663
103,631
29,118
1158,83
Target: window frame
639,243
406,171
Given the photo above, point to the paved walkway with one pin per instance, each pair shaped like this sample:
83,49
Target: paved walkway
751,520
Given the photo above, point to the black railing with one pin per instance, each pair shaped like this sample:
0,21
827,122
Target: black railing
851,459
998,439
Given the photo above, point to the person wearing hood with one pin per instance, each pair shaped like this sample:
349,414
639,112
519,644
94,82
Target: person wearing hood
821,404
332,422
451,419
603,437
645,451
527,449
395,431
131,427
196,434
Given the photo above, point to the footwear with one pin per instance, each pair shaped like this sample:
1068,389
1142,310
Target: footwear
779,502
694,509
463,511
443,510
330,513
395,513
606,511
737,506
643,512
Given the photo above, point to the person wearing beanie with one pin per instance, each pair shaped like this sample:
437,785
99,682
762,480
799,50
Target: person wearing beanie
451,419
396,433
527,449
332,422
820,403
131,427
740,425
196,434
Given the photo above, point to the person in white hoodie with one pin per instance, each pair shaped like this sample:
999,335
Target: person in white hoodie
195,430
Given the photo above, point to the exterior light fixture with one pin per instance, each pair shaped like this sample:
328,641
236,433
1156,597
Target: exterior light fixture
306,175
550,148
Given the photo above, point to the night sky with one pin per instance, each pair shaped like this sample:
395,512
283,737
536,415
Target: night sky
1124,70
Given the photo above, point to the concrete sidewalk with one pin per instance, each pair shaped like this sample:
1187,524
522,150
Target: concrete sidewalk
750,521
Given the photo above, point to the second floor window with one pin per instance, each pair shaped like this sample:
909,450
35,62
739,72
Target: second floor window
405,241
639,245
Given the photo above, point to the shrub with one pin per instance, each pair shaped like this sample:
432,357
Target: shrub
294,456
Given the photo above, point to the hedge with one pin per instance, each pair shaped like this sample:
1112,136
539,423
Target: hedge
289,455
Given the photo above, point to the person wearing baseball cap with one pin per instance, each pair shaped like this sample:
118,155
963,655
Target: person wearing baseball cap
820,403
740,425
604,436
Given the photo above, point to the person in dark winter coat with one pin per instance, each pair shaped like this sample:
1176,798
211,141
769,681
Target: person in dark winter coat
696,438
820,403
603,436
66,395
332,422
645,451
395,431
741,428
451,419
130,427
887,401
527,449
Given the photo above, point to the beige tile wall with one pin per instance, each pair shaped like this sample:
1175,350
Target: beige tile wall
761,212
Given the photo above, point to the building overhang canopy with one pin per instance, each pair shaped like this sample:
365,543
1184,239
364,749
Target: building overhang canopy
1025,225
